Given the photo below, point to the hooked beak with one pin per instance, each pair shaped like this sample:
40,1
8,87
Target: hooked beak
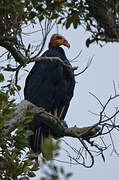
65,43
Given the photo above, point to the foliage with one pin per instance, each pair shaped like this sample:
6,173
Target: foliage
15,162
51,151
100,18
13,146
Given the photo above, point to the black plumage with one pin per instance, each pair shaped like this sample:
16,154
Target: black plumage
49,85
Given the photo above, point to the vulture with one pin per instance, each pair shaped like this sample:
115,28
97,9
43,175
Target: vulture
49,85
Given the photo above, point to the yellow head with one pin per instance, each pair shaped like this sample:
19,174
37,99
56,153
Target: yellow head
58,40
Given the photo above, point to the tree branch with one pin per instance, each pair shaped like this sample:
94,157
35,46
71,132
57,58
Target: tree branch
4,42
26,108
106,16
69,67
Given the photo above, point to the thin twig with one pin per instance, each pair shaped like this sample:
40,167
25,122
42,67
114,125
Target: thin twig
87,66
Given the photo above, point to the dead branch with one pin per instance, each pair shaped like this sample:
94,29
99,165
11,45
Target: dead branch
108,122
45,31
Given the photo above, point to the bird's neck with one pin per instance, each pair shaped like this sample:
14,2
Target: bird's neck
53,47
57,48
58,51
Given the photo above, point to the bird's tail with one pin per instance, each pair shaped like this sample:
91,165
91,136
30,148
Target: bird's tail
40,131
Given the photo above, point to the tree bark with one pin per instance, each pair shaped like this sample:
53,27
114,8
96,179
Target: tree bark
25,108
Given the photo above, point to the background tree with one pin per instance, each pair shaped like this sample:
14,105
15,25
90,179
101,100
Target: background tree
97,17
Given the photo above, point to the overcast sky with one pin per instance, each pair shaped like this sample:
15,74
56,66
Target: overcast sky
98,80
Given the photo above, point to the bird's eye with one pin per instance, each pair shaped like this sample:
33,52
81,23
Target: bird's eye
58,37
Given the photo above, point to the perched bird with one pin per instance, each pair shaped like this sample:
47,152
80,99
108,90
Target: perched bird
49,85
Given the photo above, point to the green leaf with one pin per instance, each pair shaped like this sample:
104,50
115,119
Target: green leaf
31,174
24,178
20,130
54,16
35,167
4,96
60,20
28,163
1,77
68,22
76,20
68,175
62,170
75,23
3,163
29,133
32,15
32,156
89,41
20,140
18,87
28,119
19,6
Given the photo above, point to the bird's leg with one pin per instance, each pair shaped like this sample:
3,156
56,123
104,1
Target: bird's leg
60,116
56,113
49,112
62,110
36,139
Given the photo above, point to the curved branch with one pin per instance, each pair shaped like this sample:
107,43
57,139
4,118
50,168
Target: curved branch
18,56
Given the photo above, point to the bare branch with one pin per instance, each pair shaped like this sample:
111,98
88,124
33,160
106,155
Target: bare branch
108,123
87,66
45,32
74,59
96,98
